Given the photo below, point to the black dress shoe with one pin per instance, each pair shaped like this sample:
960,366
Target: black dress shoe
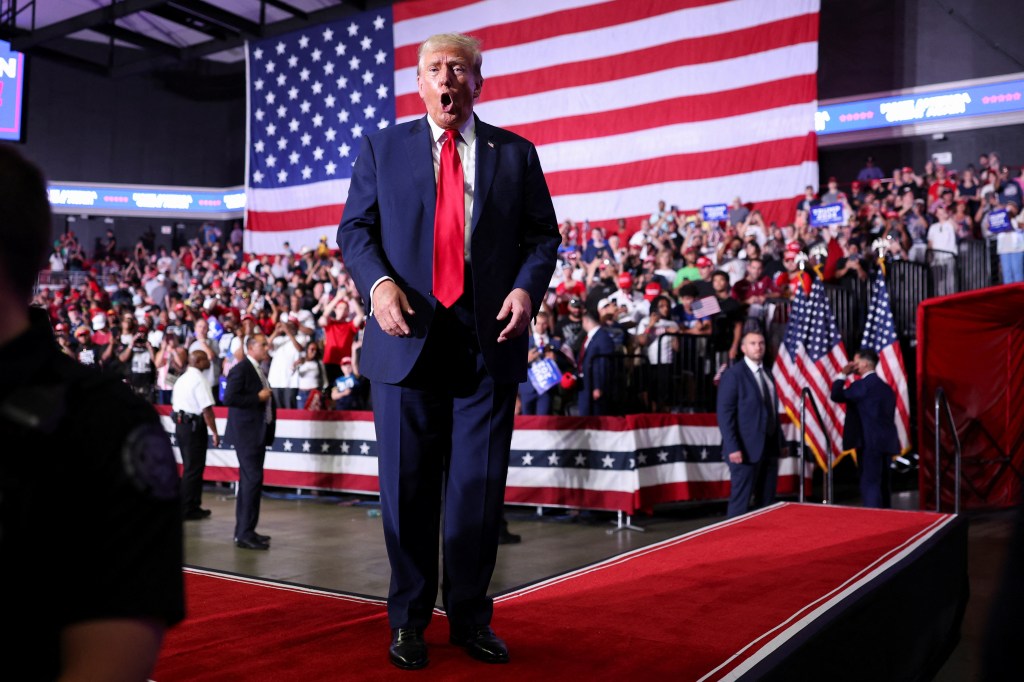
481,643
262,538
507,538
197,514
408,651
251,544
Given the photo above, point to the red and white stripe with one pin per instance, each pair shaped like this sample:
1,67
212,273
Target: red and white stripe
792,375
892,371
689,101
276,216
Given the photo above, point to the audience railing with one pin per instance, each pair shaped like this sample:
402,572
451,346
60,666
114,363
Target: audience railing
942,402
50,279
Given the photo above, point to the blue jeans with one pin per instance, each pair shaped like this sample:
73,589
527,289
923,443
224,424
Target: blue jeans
1013,267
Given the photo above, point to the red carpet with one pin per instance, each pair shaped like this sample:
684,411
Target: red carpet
712,604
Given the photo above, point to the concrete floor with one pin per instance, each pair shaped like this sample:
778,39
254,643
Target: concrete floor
335,541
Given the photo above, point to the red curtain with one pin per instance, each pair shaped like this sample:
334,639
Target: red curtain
972,346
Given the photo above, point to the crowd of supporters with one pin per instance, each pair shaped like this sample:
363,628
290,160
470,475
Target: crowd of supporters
673,284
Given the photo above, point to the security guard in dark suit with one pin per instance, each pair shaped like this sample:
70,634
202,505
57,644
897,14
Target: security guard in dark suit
90,526
870,426
252,419
748,417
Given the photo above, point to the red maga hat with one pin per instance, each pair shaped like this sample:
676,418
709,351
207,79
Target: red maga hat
652,291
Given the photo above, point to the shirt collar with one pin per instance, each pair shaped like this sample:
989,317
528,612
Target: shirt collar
751,364
467,131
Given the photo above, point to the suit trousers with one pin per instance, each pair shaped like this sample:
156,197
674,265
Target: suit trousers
758,479
192,438
250,490
874,479
443,436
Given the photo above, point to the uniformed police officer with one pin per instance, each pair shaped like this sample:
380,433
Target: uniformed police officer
90,522
194,423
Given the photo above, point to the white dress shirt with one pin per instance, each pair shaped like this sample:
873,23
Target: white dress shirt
467,154
191,393
769,380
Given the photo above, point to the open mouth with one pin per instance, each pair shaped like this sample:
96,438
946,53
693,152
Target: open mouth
446,100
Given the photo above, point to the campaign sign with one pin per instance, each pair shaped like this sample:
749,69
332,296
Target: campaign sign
713,212
345,383
12,75
998,221
829,214
544,375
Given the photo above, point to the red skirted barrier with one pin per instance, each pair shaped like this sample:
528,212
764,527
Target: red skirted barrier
971,345
623,464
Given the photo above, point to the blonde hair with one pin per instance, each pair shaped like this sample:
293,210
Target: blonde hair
460,41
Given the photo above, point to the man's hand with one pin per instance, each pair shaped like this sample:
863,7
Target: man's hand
264,395
596,394
736,457
390,306
216,440
517,306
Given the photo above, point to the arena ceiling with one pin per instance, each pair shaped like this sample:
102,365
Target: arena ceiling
130,37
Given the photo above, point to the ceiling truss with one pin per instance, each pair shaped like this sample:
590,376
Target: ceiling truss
131,51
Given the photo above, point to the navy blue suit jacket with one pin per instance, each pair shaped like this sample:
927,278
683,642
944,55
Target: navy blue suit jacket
247,425
742,414
870,415
388,230
597,363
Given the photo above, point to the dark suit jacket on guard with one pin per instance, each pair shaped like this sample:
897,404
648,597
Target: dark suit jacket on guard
596,370
742,416
870,415
247,423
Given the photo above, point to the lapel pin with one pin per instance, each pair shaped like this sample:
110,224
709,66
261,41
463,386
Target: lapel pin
490,144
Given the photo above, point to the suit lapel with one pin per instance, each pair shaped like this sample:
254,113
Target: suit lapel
421,165
486,164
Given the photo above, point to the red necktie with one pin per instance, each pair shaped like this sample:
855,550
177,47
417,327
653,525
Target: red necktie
449,225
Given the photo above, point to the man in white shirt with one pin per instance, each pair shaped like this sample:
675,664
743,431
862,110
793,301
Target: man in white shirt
287,347
942,235
204,343
942,244
192,413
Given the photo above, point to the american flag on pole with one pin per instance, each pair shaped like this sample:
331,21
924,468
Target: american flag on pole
880,336
628,102
811,354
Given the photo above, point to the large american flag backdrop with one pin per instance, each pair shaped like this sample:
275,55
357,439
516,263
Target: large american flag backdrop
811,354
612,463
628,101
880,336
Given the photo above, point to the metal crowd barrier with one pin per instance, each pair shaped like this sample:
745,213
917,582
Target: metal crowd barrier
940,402
49,279
683,382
